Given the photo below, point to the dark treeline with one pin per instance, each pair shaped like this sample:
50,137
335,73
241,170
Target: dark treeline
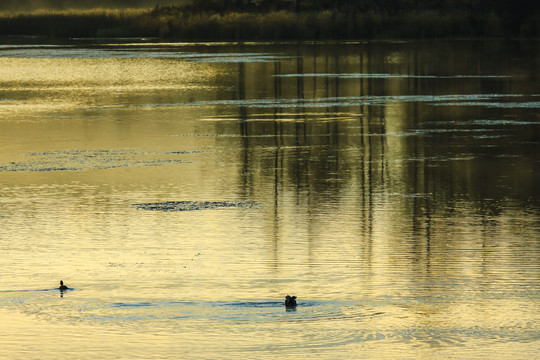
34,5
288,20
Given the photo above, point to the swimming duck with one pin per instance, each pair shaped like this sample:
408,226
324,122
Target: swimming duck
62,286
290,302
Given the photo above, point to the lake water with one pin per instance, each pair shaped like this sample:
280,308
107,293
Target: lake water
182,190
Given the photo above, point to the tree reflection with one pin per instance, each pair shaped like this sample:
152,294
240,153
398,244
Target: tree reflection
426,162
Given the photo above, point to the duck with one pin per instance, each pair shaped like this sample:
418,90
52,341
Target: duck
62,286
290,302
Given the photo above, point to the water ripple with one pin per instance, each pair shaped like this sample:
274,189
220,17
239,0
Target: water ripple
485,100
390,76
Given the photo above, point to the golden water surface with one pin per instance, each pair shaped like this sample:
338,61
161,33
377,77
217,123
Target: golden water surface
182,190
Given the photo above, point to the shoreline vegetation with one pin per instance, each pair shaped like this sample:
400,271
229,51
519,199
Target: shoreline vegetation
294,20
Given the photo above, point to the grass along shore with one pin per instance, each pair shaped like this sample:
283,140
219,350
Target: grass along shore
176,23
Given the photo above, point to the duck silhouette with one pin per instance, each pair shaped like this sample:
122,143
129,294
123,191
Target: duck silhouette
62,286
290,302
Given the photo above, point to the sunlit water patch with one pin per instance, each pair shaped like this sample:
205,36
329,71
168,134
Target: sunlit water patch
297,116
231,58
73,52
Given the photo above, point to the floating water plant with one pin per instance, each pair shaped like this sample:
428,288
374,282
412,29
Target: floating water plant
195,205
